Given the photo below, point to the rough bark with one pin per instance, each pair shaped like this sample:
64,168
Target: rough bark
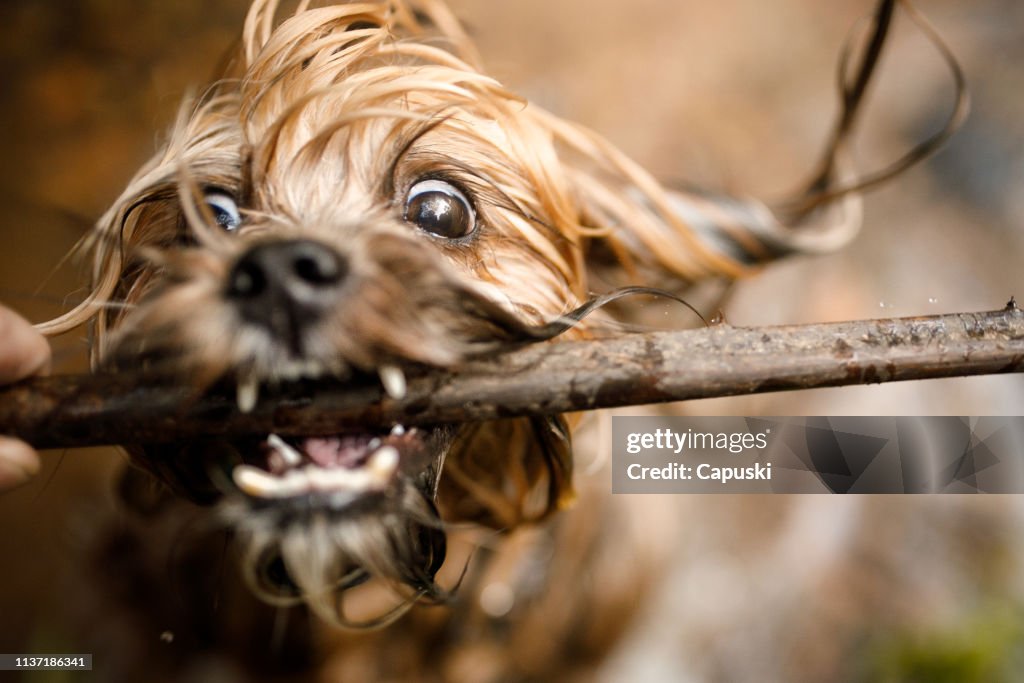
544,379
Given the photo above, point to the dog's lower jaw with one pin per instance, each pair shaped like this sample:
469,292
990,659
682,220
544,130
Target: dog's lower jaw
350,519
316,546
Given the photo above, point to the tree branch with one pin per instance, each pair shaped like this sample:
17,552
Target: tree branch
544,379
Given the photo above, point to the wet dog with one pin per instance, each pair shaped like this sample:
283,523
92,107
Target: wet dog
353,200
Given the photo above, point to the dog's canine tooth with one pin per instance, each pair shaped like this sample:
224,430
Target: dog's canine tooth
393,380
288,453
398,430
374,443
255,482
247,394
382,463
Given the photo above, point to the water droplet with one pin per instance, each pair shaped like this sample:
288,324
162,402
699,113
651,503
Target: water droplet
933,300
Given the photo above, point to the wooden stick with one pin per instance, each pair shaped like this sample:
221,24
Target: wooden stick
543,379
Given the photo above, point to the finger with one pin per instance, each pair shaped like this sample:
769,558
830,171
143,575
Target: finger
23,351
18,463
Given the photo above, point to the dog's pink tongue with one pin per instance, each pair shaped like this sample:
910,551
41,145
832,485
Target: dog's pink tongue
336,451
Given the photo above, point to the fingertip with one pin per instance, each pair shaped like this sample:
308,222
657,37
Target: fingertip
23,351
18,463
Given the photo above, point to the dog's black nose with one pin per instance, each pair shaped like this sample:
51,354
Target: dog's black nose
286,286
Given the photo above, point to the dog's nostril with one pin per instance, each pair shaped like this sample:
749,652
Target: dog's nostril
247,280
319,267
286,286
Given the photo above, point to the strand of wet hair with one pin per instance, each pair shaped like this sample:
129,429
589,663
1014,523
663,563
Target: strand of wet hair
822,188
569,320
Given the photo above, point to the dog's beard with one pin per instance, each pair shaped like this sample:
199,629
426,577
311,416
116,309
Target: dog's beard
323,513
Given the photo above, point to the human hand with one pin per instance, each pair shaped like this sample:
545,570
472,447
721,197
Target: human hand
23,353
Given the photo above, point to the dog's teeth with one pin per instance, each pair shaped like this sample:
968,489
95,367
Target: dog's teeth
397,430
255,482
342,479
334,479
288,453
295,482
374,443
247,393
393,380
313,369
374,475
301,369
383,462
321,479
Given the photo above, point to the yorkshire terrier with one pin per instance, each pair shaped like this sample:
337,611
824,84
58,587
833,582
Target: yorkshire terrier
355,199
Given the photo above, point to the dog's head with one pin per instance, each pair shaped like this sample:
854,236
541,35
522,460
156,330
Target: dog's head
355,198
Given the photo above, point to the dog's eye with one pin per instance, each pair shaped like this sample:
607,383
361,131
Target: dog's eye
224,209
440,209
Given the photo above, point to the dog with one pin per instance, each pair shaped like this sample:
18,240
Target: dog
355,199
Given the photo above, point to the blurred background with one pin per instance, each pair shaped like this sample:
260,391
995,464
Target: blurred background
736,95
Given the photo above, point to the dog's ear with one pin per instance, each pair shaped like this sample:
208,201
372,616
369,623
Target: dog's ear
636,231
508,472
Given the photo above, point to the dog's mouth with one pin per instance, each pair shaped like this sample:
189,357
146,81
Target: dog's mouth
319,514
333,471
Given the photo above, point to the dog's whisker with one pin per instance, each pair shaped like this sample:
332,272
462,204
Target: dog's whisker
569,320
